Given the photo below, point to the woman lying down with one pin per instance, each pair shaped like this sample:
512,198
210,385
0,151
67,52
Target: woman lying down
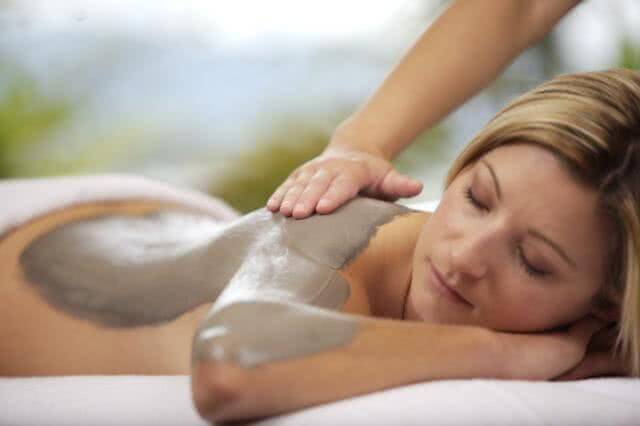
528,269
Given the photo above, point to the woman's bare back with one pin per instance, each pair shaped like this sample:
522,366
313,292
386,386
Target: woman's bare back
39,338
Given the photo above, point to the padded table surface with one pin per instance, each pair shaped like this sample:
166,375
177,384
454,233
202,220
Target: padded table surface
166,400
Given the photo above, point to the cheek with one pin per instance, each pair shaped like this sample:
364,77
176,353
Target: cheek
454,209
529,310
437,230
451,197
440,220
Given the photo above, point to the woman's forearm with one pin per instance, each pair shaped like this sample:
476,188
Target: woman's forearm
383,354
461,52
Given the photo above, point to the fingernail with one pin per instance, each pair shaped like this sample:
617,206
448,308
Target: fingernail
323,203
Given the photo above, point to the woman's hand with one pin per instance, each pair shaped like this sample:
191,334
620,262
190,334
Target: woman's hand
548,355
337,175
599,360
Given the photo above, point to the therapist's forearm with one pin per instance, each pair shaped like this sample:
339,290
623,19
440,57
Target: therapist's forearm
460,53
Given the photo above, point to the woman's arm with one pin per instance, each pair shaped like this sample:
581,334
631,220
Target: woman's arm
459,54
382,354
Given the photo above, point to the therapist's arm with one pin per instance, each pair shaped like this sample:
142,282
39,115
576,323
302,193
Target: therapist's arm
459,54
384,353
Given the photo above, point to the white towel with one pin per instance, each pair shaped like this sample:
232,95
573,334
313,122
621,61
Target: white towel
25,199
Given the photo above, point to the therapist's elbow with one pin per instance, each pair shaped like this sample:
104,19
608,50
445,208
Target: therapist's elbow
216,390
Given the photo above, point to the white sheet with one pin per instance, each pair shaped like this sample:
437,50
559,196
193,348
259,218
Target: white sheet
165,400
25,199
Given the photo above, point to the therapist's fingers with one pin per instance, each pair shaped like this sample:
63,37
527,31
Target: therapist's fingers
278,195
342,189
395,185
293,193
310,196
330,180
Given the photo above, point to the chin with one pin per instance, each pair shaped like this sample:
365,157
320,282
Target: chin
417,310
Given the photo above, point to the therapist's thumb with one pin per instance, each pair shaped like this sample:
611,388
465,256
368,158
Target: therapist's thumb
395,185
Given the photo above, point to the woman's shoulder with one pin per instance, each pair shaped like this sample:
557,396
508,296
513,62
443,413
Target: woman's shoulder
381,271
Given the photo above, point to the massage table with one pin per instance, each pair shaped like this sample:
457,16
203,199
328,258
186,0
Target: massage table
166,400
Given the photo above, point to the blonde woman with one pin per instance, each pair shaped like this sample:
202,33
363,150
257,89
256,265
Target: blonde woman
538,228
531,252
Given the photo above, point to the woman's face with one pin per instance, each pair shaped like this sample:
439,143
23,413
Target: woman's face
517,238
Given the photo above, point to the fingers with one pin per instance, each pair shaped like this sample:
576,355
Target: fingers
585,328
276,198
293,193
305,205
300,196
594,365
287,194
275,201
325,183
596,362
395,185
342,189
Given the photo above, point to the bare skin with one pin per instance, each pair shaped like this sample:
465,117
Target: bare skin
39,340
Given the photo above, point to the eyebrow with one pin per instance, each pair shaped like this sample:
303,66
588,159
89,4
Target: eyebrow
534,233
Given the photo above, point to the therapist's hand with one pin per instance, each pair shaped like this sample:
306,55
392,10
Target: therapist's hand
334,177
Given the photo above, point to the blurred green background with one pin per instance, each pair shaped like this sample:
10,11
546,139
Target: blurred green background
230,102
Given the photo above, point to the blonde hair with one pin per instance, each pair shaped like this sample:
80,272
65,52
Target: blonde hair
591,121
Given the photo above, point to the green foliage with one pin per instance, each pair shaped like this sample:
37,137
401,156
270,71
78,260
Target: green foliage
25,117
629,54
28,117
428,148
252,176
121,145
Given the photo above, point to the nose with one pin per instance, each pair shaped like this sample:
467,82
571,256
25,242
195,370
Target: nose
469,255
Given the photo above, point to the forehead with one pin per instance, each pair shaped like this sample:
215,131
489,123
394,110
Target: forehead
538,192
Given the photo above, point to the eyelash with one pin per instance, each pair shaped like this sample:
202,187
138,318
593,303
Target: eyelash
536,273
472,199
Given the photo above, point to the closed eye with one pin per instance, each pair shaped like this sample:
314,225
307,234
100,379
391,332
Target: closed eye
473,200
528,268
524,263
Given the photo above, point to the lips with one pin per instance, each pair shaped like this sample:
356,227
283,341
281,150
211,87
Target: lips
443,287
